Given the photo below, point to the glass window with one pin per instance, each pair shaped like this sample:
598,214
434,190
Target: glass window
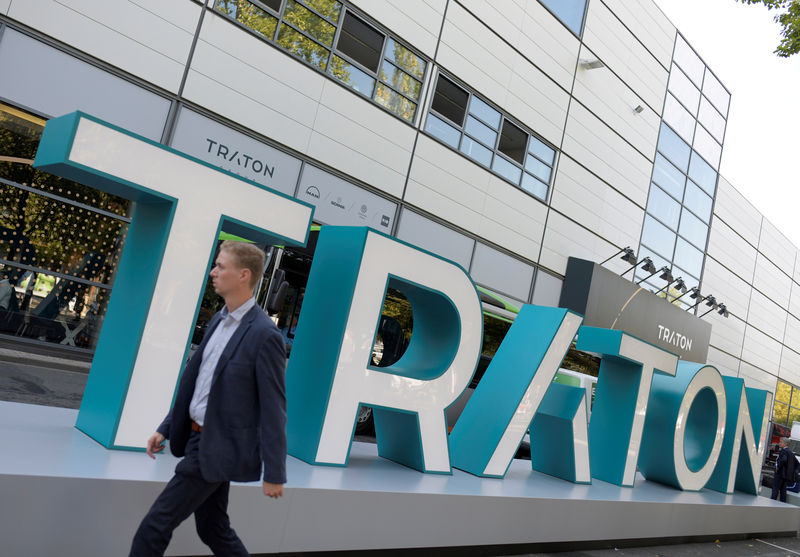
350,75
450,100
534,186
545,153
360,42
679,118
538,169
707,146
716,92
507,170
688,278
668,177
513,142
444,131
403,58
304,48
673,147
395,102
688,257
570,12
697,200
400,81
783,393
683,89
690,62
711,120
481,132
304,20
663,207
702,174
329,9
780,413
476,151
484,112
658,237
250,15
694,230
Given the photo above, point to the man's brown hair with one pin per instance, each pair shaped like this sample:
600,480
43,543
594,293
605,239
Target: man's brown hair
246,256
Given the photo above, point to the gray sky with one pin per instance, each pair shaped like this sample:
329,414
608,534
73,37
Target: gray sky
762,141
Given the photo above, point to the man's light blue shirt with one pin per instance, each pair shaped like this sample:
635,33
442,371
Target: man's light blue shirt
229,322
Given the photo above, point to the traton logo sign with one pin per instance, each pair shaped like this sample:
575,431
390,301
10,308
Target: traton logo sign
649,408
674,338
243,160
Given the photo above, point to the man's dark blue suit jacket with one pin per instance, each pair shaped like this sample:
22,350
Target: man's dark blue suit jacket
245,421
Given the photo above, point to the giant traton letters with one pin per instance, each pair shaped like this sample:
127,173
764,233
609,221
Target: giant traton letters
683,424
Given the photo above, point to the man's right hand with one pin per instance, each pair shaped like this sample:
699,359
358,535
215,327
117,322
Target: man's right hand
155,444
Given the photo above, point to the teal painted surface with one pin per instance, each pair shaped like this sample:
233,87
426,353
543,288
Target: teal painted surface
491,408
552,435
657,453
397,434
319,333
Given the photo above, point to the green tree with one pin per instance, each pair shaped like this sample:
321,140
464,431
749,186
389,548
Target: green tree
789,19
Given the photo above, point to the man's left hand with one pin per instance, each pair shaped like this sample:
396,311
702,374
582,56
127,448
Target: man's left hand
273,490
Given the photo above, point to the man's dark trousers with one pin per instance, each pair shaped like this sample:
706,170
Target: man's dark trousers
779,487
187,493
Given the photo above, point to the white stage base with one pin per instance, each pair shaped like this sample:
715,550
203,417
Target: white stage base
63,494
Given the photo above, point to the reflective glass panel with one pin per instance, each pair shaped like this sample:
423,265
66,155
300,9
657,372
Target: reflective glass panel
249,15
476,151
513,142
658,237
444,131
308,22
694,230
673,147
668,177
484,112
707,146
541,150
302,47
697,200
683,89
481,132
534,186
712,120
679,118
657,260
780,413
690,62
330,9
702,174
349,74
716,93
663,207
405,59
507,170
400,81
538,168
360,41
450,100
783,393
395,102
570,12
688,257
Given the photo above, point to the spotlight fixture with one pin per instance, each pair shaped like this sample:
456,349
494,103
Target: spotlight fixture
678,282
639,109
680,285
709,300
628,255
591,64
695,292
666,275
652,269
721,309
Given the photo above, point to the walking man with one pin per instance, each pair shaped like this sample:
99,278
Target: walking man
784,470
229,415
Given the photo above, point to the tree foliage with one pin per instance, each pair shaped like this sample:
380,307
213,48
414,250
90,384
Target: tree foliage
789,19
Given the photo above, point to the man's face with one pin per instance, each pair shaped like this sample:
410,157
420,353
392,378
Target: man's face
226,276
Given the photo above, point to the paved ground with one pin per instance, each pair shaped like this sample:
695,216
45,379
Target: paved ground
47,380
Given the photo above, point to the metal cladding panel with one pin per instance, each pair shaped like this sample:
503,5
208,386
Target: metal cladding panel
612,302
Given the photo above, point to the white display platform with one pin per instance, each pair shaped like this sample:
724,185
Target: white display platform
63,494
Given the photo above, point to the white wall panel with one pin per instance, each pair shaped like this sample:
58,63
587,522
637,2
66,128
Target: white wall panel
771,281
727,334
547,290
790,366
649,24
608,38
532,30
614,102
794,300
582,196
478,57
731,250
4,5
501,272
761,351
598,148
777,247
437,238
792,337
765,315
724,362
416,22
758,378
564,238
241,77
737,212
362,140
727,288
148,38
